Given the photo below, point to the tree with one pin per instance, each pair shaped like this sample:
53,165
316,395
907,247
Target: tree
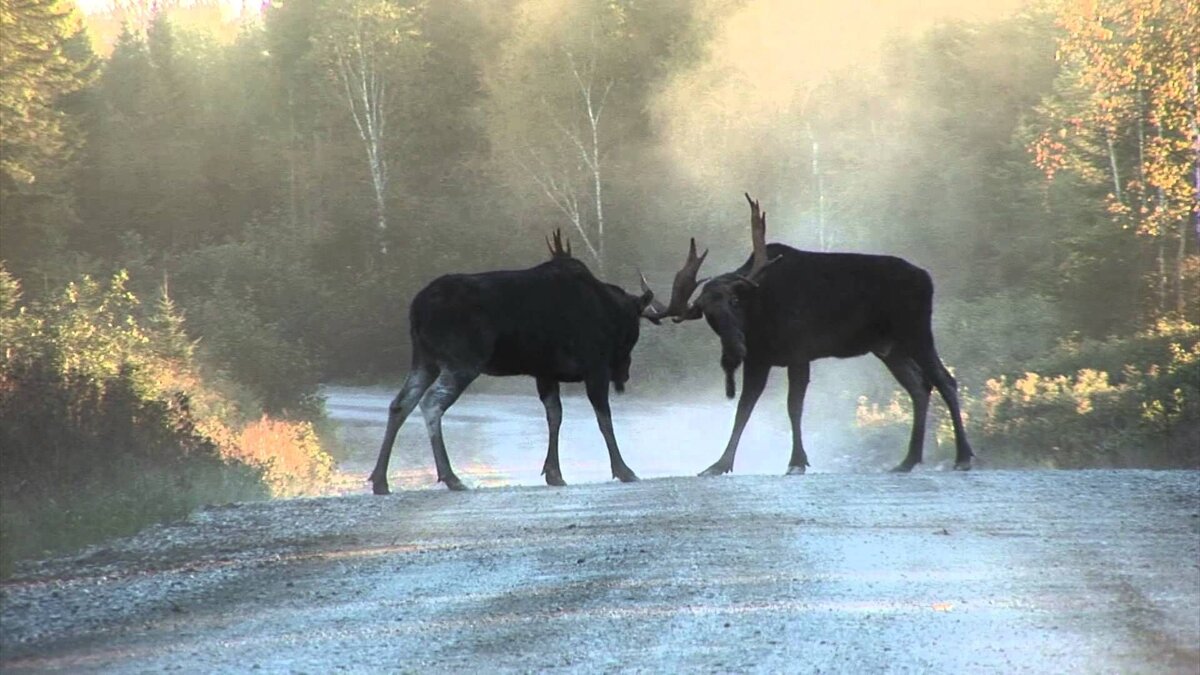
565,96
45,55
1125,113
372,47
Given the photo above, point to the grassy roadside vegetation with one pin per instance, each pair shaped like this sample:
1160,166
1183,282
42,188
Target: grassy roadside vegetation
109,422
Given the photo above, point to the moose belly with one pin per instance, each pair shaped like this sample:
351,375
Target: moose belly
516,358
840,345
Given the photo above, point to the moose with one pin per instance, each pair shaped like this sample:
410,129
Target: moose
787,307
555,322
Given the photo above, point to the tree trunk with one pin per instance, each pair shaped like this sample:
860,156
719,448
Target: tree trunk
1181,258
1143,201
595,123
293,208
366,96
819,184
1116,175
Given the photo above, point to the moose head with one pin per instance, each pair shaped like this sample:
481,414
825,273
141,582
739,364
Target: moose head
722,300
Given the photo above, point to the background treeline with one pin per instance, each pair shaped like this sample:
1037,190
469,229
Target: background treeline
296,174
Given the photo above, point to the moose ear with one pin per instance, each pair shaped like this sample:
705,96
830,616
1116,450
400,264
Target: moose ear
645,299
742,284
644,302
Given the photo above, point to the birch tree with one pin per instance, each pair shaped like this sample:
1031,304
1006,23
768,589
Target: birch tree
552,119
371,49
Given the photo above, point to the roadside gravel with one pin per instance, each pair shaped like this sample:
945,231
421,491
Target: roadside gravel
935,571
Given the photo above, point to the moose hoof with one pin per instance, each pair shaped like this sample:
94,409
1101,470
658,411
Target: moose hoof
795,471
379,487
964,465
903,467
554,478
454,484
716,470
625,475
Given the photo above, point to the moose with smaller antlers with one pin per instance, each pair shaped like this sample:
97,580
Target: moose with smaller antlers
786,307
555,322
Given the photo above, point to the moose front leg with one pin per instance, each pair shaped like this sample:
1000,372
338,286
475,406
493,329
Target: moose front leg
798,377
597,392
754,380
548,392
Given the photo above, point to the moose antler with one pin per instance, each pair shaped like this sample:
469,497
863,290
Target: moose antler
681,290
656,308
758,238
556,249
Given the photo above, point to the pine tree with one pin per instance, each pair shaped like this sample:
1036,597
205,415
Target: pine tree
44,56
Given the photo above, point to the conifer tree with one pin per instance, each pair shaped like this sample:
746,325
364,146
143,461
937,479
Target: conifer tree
44,56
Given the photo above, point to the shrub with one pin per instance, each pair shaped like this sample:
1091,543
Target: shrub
1119,402
106,423
289,454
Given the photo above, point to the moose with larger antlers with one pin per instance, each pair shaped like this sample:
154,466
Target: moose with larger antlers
555,322
786,307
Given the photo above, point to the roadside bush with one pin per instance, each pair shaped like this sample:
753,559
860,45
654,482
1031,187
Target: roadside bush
985,336
106,424
288,453
1118,402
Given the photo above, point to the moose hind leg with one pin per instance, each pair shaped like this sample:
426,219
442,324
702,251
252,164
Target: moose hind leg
597,393
548,393
909,375
754,380
948,389
444,392
415,384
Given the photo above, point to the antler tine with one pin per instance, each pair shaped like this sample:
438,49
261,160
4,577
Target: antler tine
685,281
758,239
682,287
656,310
556,249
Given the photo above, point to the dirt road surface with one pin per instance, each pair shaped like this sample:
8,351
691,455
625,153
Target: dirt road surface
937,571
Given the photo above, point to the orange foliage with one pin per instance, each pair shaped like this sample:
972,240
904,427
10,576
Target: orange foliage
289,452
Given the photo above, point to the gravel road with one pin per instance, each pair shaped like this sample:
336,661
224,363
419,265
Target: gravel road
937,571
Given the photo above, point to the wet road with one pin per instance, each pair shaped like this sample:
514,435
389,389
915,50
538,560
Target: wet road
989,571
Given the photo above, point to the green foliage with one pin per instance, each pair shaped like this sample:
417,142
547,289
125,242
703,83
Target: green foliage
257,314
106,424
1118,402
996,333
240,342
45,58
44,54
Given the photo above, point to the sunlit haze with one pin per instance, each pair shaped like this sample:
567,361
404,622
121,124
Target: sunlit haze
768,55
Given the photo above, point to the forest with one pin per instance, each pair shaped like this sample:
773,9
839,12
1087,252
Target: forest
208,209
